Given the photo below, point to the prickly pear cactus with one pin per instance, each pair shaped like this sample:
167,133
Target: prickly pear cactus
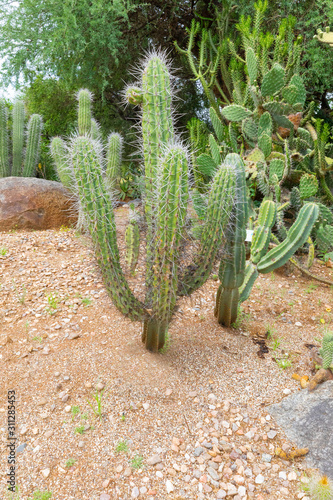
308,186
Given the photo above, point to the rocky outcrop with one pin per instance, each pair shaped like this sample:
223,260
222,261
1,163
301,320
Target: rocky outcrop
30,203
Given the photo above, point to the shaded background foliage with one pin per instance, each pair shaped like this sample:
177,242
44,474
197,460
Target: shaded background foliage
59,46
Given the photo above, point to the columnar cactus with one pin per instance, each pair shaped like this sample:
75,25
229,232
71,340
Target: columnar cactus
18,137
20,167
132,240
4,152
33,145
113,158
60,156
84,115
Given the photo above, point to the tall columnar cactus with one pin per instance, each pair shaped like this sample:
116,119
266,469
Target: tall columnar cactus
132,240
113,158
33,145
154,96
4,152
18,138
60,156
84,115
231,272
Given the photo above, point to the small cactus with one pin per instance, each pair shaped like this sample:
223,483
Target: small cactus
320,488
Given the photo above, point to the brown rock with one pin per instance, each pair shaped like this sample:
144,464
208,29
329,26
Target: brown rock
30,203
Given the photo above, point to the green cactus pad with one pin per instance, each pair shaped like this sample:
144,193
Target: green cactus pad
308,186
290,94
326,215
265,144
273,81
265,125
250,129
295,198
296,237
236,113
276,167
297,82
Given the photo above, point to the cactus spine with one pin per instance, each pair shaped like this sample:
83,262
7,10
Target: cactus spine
18,138
33,146
4,152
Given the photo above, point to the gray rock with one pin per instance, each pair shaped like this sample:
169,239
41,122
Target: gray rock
213,474
198,451
266,457
207,445
306,418
21,447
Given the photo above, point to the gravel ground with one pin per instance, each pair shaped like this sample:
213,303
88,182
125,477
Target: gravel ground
190,423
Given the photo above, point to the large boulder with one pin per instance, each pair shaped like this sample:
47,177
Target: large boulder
30,203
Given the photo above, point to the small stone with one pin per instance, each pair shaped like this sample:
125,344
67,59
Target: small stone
242,491
74,335
49,433
259,479
198,451
175,441
271,434
100,386
143,490
155,459
266,457
135,492
88,385
57,374
68,408
169,486
104,496
81,444
286,391
168,392
35,431
192,394
23,431
298,323
159,474
46,472
145,406
282,475
127,471
292,476
152,493
231,489
65,398
119,469
213,474
221,494
42,402
21,447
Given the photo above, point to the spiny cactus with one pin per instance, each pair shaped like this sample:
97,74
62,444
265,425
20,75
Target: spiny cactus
33,145
60,156
18,138
4,152
84,98
232,266
326,350
308,186
320,488
132,240
113,158
263,262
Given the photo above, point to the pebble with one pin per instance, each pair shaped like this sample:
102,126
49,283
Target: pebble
127,471
21,447
168,392
292,476
143,490
104,496
221,494
81,444
119,469
242,491
68,408
282,475
169,486
259,479
74,335
231,489
155,459
286,391
213,474
266,458
23,431
145,406
46,472
135,492
271,434
49,433
88,385
42,402
100,386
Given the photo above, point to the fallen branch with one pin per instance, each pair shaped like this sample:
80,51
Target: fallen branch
307,273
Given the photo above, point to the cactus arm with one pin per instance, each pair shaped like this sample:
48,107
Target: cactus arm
251,274
84,98
132,239
60,158
218,210
33,145
262,232
113,158
97,207
95,130
4,152
18,137
296,237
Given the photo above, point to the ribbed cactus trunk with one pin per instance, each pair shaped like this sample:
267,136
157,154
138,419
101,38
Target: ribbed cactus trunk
4,152
113,158
97,207
171,205
84,114
18,138
232,267
32,146
157,129
60,157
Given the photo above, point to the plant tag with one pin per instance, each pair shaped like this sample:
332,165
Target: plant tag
249,234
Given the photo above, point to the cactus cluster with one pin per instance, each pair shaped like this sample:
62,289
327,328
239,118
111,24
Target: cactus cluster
320,488
22,160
